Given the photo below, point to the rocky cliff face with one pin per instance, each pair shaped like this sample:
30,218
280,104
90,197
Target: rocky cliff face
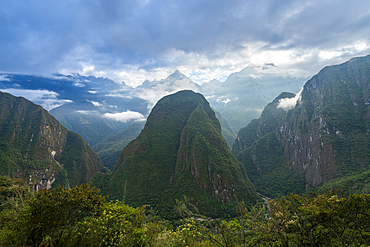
179,152
325,136
33,144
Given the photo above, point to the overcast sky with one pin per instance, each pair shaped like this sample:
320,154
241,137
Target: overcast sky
134,40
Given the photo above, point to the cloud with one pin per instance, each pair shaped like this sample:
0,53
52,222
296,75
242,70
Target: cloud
118,95
138,40
96,103
289,103
4,78
78,84
225,101
125,116
47,99
87,112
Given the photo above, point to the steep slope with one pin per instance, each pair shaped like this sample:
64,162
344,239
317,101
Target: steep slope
323,140
179,152
35,146
270,118
110,148
259,149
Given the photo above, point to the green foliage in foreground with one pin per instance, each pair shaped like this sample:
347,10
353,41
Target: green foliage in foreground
82,217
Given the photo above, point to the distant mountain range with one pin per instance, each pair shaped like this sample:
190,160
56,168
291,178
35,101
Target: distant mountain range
97,107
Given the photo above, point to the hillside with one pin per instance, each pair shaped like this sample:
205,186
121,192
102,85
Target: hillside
179,152
36,147
323,140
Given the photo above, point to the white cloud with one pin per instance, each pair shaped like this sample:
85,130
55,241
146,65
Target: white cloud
289,103
210,96
87,112
223,100
125,116
119,95
78,84
96,103
4,78
47,99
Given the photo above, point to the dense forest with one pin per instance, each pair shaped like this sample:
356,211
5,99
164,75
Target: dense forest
80,216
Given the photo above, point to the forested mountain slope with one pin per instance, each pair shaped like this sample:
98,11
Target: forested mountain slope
36,147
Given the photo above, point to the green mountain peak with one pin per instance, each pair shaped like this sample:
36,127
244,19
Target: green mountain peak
180,152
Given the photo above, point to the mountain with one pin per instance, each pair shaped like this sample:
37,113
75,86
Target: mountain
96,107
179,152
321,142
91,106
110,148
243,95
36,147
262,155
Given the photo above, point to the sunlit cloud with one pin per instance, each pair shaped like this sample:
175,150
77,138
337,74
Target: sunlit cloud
4,78
47,99
289,103
87,112
125,116
96,103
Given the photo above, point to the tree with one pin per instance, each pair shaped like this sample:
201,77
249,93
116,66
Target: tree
50,215
326,220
